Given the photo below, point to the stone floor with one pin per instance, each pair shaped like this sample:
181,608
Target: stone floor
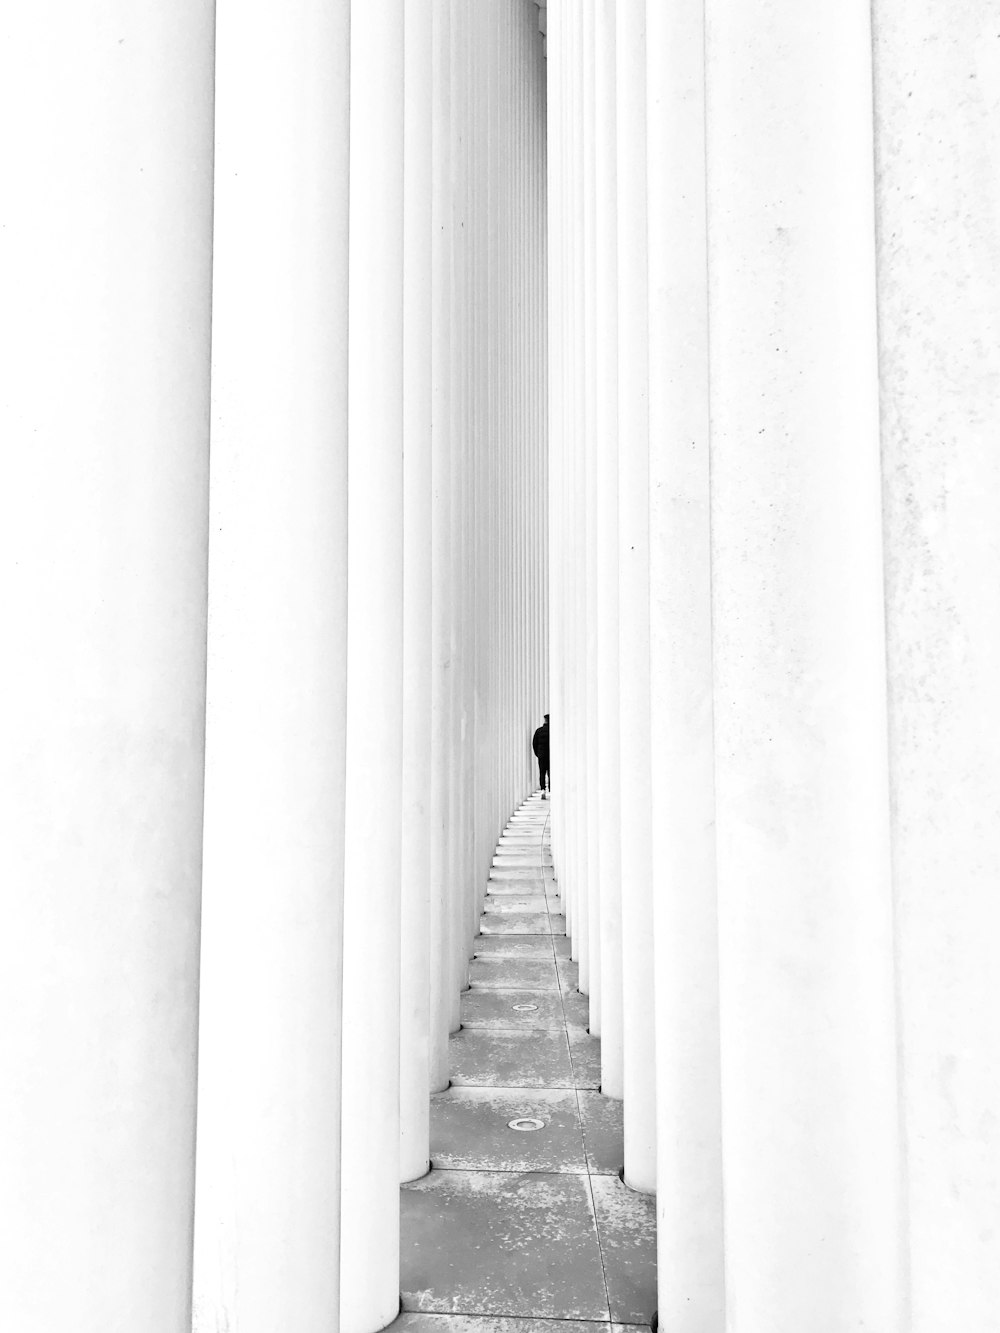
523,1225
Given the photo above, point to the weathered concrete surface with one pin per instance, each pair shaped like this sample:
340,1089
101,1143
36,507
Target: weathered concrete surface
502,973
525,1230
470,1130
484,1057
503,1242
513,1009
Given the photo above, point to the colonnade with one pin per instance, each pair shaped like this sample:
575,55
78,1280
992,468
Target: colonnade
275,409
774,298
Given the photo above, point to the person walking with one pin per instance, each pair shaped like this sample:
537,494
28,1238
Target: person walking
540,745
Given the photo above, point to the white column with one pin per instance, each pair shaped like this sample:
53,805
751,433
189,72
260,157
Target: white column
416,887
269,1051
633,544
689,1148
566,807
576,722
559,391
461,771
542,263
809,1098
606,420
370,1139
106,284
939,294
467,631
486,832
592,446
441,922
555,156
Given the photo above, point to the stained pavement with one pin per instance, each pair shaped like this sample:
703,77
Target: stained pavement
524,1227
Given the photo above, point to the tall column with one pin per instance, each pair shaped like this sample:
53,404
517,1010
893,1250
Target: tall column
939,294
441,924
416,887
369,1244
588,564
689,1148
633,546
564,733
576,721
606,420
809,1098
269,1053
461,771
555,156
106,287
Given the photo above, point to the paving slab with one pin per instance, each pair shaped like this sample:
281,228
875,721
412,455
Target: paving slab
577,1008
569,973
520,946
411,1322
527,881
521,872
516,923
518,868
529,856
516,902
603,1132
521,868
510,1058
585,1052
532,886
505,973
501,1243
513,1009
626,1221
470,1130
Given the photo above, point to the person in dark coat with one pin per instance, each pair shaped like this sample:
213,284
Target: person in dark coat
540,745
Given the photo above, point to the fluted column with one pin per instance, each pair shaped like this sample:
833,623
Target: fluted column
588,564
809,1097
576,557
461,766
633,545
606,423
939,297
370,1137
442,925
689,1148
416,886
555,238
269,1054
106,285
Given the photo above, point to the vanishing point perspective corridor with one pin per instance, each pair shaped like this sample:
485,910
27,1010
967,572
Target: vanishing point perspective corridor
523,1213
381,379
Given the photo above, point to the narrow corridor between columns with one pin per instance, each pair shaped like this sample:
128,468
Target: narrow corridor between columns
523,1215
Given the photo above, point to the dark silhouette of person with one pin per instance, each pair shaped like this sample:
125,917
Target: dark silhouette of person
540,745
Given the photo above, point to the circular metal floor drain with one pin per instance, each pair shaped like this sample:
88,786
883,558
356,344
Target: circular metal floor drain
526,1123
524,1008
